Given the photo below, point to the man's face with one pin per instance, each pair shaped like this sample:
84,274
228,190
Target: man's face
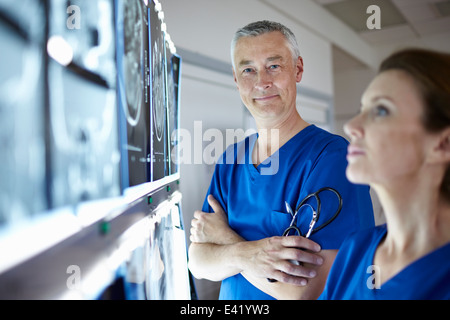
266,76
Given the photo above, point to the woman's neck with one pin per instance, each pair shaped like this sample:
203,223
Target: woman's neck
418,221
416,213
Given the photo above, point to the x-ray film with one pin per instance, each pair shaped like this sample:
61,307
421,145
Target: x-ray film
134,90
83,142
22,145
156,268
88,28
82,110
167,276
173,114
159,102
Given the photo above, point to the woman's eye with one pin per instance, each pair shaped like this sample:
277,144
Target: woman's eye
381,111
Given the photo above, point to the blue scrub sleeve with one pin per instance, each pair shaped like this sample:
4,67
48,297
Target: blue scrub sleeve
215,189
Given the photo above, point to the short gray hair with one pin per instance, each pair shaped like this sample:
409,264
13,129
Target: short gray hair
261,27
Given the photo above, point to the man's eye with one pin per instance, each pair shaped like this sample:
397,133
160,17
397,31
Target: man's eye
247,70
274,66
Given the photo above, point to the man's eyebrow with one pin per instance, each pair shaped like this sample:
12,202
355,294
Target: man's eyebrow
275,58
245,63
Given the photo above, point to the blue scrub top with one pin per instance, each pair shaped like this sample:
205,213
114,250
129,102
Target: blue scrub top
254,198
354,277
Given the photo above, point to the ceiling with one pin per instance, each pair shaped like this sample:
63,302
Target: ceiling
400,19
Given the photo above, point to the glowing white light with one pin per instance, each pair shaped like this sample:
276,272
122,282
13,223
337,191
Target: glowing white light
161,15
158,6
60,50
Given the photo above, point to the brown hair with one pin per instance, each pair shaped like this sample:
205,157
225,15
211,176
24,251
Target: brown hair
431,72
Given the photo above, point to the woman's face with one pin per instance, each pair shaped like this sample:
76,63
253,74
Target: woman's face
388,140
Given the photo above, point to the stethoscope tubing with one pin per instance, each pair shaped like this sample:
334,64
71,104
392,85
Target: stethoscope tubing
319,207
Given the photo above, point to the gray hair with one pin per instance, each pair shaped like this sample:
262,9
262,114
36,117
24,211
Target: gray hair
261,27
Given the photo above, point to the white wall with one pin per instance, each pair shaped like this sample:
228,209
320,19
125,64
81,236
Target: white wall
349,86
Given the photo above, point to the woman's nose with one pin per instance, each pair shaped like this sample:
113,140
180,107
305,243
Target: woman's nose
353,128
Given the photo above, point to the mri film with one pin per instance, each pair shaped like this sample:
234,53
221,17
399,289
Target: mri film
158,106
133,90
83,141
173,76
22,126
88,28
82,110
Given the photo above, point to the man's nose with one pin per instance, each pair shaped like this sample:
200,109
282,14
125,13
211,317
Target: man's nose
264,81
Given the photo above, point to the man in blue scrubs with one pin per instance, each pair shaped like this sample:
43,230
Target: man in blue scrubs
236,238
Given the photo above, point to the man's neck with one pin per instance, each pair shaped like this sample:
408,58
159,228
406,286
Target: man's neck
272,137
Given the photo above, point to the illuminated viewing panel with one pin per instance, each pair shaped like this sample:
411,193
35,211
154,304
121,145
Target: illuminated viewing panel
98,96
89,112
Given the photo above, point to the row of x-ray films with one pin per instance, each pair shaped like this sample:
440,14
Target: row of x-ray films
88,102
148,78
156,269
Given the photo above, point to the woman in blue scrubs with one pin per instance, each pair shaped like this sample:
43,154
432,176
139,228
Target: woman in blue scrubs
400,146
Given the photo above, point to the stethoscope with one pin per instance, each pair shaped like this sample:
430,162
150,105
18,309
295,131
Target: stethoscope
315,213
315,216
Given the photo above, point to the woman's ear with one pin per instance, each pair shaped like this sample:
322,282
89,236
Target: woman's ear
441,149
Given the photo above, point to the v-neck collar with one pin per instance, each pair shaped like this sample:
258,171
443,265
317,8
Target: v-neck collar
405,273
255,172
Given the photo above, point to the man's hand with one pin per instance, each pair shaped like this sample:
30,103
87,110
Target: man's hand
275,258
267,258
212,227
